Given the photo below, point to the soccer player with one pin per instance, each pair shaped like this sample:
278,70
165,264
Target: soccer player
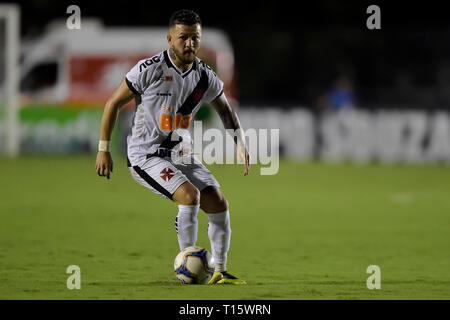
168,89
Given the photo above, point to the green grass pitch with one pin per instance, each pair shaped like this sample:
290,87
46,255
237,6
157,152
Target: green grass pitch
309,232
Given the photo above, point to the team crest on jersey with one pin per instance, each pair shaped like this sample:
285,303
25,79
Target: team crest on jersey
168,78
166,174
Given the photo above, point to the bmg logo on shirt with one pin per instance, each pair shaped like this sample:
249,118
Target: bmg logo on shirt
169,123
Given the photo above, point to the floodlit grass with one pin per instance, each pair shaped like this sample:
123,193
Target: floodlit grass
309,232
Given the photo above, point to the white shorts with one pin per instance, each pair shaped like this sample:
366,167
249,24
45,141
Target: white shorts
163,177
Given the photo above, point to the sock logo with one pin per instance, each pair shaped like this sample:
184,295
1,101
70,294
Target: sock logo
166,174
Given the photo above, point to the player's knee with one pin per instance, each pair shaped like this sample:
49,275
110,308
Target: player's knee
187,195
222,204
192,197
214,202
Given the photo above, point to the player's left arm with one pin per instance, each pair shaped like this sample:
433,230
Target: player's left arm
230,120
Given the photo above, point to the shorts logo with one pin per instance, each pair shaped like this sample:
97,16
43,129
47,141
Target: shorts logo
166,174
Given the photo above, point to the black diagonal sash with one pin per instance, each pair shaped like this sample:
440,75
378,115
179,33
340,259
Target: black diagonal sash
196,95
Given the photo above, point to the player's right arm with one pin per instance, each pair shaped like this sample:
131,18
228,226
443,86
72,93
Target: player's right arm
120,96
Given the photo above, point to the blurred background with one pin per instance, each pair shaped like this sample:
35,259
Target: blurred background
337,89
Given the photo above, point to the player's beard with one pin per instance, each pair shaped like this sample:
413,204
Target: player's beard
186,56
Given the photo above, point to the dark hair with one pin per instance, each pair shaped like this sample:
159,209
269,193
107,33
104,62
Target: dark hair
186,17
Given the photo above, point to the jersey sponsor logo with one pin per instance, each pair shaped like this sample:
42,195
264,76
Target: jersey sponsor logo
164,94
167,174
148,63
182,119
169,123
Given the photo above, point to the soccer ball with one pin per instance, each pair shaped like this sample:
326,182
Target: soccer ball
193,265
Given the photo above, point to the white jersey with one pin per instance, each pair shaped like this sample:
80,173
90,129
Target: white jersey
166,99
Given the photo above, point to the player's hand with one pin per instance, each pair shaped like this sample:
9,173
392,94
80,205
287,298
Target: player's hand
243,156
104,164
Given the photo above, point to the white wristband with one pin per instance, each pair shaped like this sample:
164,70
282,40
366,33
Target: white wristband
103,145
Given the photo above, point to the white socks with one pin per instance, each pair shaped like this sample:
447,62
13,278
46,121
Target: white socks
219,233
186,225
